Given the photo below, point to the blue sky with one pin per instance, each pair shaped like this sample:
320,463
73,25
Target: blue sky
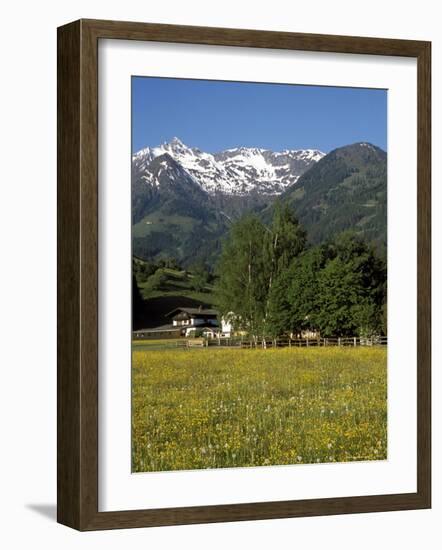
217,115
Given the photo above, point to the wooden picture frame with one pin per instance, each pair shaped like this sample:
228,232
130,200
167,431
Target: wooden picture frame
77,462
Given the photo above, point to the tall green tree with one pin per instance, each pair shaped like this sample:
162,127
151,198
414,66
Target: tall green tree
339,292
253,258
351,289
285,240
338,289
242,282
294,296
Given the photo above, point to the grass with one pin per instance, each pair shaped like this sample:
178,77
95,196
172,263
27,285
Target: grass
227,408
157,222
176,283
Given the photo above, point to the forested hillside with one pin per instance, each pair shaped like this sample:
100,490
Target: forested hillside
347,189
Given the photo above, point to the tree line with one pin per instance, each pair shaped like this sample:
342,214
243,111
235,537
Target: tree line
271,283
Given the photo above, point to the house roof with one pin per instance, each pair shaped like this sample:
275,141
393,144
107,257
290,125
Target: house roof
161,328
192,311
174,328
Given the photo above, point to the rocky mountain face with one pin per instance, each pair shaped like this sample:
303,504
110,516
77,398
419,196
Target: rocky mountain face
240,171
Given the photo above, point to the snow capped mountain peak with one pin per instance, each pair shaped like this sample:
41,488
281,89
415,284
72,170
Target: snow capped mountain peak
174,147
236,171
176,141
175,144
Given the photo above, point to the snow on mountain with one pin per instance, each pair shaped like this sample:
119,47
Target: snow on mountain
238,171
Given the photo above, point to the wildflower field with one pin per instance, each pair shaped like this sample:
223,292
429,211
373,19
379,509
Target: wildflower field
223,408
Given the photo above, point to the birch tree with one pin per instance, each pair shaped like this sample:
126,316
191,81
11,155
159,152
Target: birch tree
253,257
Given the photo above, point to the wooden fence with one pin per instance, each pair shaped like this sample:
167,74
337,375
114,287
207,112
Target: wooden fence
353,341
246,343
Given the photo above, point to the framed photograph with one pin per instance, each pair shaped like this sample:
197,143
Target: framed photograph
243,274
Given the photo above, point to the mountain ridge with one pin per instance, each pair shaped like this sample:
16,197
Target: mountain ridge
347,189
235,171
